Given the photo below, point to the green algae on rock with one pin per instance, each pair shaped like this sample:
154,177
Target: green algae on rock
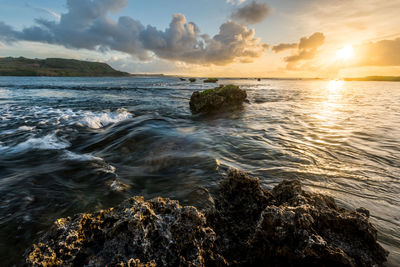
211,80
248,226
222,97
159,232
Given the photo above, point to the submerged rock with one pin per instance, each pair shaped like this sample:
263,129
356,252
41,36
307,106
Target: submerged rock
222,97
249,226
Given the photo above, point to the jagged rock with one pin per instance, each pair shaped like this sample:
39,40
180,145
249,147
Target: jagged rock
249,226
158,232
222,97
289,227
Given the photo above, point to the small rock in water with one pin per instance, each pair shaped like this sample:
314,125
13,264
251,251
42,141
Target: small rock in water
248,226
211,80
219,98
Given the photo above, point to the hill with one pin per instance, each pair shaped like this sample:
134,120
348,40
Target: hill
21,66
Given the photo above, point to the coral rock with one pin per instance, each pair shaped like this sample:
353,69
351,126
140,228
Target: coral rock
219,98
249,226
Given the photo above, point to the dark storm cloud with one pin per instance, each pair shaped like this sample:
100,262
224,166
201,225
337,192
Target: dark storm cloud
251,13
87,25
7,34
282,47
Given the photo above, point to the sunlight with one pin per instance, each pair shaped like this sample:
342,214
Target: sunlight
345,53
335,85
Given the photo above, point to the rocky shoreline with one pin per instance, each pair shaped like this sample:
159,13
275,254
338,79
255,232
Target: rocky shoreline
248,226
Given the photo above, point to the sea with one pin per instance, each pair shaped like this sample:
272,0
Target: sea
71,145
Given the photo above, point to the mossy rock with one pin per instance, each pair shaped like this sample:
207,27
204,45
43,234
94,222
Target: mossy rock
211,80
219,98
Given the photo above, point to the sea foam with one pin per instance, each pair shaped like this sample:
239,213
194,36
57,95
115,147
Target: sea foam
100,120
48,142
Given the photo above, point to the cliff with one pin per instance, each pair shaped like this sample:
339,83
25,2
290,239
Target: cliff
56,67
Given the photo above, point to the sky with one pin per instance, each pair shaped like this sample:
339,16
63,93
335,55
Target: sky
224,38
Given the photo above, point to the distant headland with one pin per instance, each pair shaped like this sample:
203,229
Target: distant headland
21,66
376,79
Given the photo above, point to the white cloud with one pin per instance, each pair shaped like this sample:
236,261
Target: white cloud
87,25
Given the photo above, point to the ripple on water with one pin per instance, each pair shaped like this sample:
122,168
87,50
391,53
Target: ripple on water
70,145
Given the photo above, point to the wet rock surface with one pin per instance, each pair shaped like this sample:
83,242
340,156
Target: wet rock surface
220,98
289,227
249,226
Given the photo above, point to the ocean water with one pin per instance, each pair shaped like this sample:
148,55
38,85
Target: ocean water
70,145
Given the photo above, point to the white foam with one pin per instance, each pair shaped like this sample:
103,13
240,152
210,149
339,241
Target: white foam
81,157
48,142
100,120
54,116
26,128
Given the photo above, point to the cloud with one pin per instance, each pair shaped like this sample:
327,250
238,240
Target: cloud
7,34
306,49
380,53
251,13
87,25
282,47
235,2
44,10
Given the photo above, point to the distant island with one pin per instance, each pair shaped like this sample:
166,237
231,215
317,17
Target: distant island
21,66
376,78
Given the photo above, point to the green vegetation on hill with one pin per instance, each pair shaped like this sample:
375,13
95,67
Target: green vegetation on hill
55,67
376,78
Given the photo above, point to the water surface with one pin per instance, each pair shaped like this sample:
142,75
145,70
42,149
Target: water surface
70,145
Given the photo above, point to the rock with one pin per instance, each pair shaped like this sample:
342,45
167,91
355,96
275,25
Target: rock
222,97
192,80
158,232
289,227
182,79
211,80
248,226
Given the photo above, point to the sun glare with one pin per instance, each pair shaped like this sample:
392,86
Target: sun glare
335,85
345,53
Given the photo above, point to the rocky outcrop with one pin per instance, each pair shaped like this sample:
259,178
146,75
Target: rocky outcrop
159,232
249,226
219,98
211,80
289,227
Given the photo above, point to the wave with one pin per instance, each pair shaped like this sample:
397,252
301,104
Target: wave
48,142
100,120
40,116
69,155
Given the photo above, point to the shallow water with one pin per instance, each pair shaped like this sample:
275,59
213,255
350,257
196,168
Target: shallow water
71,145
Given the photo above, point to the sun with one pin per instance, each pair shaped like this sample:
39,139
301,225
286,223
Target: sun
345,53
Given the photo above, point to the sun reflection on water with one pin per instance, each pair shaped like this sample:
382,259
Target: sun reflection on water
335,85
